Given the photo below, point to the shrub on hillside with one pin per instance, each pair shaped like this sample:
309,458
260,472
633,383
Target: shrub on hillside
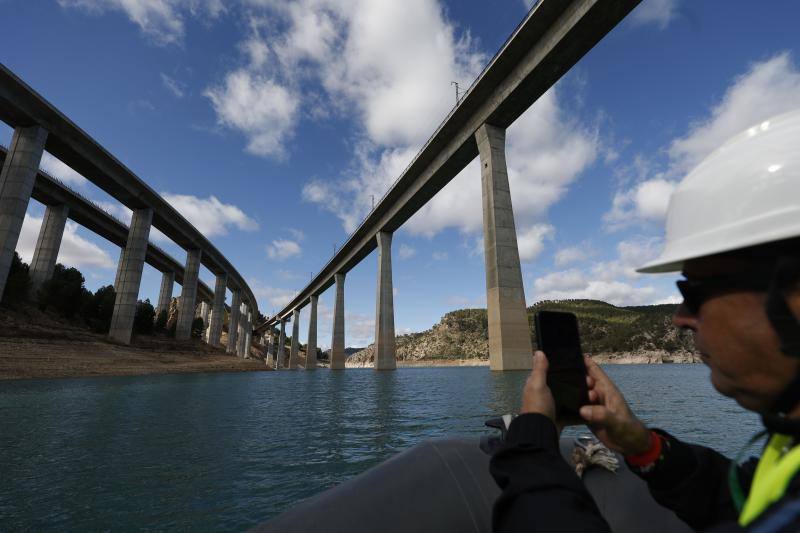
18,283
64,292
143,320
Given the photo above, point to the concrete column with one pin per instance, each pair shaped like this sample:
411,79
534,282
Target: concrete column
509,332
16,184
311,345
281,345
337,342
273,347
165,294
294,352
218,310
384,306
191,273
249,340
119,267
269,357
47,246
242,329
130,276
205,310
233,321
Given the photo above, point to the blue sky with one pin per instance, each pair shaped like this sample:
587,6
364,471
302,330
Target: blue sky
271,124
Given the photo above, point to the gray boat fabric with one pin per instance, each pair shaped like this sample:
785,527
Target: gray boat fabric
443,486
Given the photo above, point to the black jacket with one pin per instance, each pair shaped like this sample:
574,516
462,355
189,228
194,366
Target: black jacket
541,492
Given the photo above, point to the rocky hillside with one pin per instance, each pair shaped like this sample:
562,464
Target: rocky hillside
610,334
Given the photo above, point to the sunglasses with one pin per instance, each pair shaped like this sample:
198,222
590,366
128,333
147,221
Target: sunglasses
696,291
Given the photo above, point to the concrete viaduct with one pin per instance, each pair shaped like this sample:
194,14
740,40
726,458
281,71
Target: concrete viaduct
38,126
554,36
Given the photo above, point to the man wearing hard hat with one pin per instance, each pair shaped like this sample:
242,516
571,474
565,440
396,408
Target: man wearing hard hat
733,231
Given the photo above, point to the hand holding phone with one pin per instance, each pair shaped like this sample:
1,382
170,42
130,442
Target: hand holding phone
557,336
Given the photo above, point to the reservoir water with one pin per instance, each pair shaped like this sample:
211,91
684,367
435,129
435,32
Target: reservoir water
226,451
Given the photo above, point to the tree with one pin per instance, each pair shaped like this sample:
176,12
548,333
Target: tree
161,320
197,327
99,309
143,319
64,292
18,283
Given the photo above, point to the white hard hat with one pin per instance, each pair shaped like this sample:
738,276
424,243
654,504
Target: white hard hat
745,193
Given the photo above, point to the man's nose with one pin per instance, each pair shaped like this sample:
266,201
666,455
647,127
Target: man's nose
684,318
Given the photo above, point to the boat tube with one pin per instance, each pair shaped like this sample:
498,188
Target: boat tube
442,486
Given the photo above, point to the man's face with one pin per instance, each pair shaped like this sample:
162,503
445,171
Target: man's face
735,338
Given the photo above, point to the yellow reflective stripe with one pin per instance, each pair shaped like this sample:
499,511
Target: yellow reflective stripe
774,472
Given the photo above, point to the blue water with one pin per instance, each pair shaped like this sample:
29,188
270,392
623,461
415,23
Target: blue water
226,451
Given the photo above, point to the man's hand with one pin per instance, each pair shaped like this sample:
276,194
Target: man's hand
609,416
536,396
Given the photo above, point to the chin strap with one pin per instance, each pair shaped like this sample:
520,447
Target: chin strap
786,326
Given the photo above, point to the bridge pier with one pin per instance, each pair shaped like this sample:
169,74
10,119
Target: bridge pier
165,294
311,343
218,311
233,321
242,346
249,340
282,345
384,306
337,342
510,345
16,185
130,276
294,352
186,310
271,348
267,341
47,246
205,311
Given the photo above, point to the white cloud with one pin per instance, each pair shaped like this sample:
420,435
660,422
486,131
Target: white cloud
571,254
75,250
531,241
282,249
60,170
613,292
647,200
565,280
631,254
210,216
406,252
296,234
768,88
162,21
174,86
658,12
275,297
260,107
440,256
545,153
610,281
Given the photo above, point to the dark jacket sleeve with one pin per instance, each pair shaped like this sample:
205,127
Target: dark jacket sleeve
692,481
540,491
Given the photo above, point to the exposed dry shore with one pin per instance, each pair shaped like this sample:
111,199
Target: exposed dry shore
37,345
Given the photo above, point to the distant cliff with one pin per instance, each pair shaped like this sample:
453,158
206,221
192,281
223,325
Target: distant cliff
610,334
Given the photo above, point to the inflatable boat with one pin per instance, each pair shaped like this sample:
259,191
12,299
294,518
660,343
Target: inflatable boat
443,486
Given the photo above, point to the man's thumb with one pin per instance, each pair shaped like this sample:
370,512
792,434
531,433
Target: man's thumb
594,414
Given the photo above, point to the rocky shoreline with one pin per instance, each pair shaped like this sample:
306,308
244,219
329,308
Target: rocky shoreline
620,358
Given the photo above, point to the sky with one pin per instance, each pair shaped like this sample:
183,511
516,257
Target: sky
272,124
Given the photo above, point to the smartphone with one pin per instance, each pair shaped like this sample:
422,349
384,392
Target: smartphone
557,336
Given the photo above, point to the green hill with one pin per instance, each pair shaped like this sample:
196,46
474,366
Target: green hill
629,334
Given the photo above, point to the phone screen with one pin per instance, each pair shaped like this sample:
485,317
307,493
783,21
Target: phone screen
557,336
